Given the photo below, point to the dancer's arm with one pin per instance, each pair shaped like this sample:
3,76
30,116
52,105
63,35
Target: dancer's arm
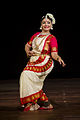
56,57
27,50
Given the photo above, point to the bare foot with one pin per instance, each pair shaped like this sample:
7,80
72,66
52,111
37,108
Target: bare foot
34,107
50,106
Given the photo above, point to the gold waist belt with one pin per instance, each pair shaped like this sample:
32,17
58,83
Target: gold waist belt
41,54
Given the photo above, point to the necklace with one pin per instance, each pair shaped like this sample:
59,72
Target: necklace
37,45
44,33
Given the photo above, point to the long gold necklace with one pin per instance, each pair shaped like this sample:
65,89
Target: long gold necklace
37,45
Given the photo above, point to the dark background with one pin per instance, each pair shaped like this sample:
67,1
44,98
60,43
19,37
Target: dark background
20,24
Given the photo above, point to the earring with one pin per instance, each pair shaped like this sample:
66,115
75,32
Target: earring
51,27
41,28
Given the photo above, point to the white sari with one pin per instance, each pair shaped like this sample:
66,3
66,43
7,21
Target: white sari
35,72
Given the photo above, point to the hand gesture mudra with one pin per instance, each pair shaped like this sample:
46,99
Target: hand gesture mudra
61,62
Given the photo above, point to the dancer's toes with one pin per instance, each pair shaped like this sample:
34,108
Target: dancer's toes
32,108
50,106
37,106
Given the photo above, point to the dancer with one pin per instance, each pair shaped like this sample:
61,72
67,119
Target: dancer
42,49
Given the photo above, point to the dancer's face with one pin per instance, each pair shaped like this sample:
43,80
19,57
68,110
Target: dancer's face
46,25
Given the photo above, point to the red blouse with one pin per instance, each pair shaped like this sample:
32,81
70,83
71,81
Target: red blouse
50,44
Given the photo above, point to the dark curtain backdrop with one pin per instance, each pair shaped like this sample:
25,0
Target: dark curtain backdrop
24,23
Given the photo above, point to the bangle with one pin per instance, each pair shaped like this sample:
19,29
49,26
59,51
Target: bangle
58,58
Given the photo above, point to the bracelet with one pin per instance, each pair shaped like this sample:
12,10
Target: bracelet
58,58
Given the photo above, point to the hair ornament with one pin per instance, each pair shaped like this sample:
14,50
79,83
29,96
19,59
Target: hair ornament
51,16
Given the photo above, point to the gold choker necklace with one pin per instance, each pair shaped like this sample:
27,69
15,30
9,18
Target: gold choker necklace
44,33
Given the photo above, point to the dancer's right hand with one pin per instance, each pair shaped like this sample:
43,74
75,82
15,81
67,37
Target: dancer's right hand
30,53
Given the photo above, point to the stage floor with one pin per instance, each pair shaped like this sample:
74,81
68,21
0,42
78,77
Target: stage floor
64,94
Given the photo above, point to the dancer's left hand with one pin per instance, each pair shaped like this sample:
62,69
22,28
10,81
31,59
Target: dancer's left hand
61,62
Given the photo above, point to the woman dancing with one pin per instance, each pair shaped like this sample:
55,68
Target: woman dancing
42,48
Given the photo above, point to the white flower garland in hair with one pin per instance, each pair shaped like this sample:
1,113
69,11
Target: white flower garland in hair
51,16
